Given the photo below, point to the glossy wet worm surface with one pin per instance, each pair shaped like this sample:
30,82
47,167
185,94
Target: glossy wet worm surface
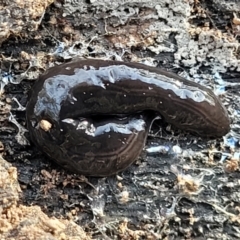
93,116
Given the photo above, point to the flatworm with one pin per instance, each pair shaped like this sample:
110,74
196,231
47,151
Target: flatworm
93,116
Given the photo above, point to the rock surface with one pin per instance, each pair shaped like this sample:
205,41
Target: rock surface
18,18
188,188
29,222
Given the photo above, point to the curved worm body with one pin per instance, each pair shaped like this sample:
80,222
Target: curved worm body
98,112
